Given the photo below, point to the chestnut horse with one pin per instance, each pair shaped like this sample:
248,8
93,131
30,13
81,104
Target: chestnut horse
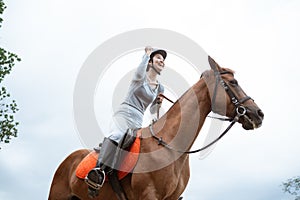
161,173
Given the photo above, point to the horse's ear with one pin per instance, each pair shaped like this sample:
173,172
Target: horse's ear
213,65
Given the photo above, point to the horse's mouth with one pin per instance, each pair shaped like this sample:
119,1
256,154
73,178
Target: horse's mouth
250,124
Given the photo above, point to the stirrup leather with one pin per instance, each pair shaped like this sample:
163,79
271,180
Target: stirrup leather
95,184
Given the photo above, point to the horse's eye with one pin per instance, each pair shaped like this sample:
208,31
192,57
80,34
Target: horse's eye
233,82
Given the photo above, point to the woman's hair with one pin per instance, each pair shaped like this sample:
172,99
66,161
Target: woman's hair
148,66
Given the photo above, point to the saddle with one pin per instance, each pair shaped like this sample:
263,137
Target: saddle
126,157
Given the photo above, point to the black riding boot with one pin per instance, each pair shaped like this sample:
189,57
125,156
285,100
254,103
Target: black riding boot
96,176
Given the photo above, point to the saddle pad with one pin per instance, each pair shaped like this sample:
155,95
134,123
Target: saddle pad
127,165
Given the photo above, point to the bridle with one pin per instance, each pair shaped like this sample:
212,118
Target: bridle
238,103
240,111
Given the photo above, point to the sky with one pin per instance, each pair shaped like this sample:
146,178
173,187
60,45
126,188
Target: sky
259,40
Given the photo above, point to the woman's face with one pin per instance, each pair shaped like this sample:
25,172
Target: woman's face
158,62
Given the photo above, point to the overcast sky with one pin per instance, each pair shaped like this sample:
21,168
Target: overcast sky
258,39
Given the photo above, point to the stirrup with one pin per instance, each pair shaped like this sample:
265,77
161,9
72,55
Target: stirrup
93,178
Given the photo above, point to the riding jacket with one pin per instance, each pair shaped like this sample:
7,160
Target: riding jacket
139,96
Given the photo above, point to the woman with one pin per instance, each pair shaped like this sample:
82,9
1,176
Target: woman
143,91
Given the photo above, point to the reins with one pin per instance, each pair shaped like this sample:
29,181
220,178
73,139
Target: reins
240,111
163,143
159,104
163,96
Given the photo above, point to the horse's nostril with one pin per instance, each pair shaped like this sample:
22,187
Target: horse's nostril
260,113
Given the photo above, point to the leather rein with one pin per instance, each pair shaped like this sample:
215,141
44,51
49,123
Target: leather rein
240,111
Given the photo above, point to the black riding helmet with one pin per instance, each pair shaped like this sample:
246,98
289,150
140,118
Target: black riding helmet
158,51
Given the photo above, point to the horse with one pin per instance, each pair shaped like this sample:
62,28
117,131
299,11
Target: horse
163,173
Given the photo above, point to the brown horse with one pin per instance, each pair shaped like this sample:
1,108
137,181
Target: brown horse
161,173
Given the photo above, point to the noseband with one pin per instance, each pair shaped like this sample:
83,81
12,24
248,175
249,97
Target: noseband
240,111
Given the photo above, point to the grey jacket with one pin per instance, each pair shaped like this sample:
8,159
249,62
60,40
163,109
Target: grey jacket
139,97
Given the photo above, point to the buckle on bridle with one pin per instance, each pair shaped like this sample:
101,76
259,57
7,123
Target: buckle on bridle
241,111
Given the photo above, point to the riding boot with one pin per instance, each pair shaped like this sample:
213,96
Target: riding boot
96,176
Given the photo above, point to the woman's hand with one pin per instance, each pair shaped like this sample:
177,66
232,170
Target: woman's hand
148,50
159,99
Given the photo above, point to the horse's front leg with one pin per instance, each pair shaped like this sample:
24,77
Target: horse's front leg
144,187
149,194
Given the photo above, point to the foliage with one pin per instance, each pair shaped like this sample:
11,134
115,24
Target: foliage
292,186
2,7
8,107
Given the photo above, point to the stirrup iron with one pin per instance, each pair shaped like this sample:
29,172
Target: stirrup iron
93,184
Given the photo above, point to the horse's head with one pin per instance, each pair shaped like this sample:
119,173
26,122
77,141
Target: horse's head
228,98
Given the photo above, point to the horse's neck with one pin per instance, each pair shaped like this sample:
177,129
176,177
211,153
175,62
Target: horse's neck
181,124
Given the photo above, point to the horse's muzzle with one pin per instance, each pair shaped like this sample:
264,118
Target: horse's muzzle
252,119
